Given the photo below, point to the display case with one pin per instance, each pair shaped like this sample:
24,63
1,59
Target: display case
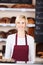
6,27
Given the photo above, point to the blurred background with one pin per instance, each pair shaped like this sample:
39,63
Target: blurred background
9,10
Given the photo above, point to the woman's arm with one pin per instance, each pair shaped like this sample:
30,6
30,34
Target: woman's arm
31,50
8,48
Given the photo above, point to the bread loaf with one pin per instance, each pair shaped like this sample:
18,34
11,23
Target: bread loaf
22,6
31,20
2,34
3,6
5,20
12,19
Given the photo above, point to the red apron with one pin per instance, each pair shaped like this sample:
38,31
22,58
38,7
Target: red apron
21,52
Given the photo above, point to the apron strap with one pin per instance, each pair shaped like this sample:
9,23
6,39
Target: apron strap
16,39
26,39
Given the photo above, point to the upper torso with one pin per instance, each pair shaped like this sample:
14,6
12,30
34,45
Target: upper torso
20,41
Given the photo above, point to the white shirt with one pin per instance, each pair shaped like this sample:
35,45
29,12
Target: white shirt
20,41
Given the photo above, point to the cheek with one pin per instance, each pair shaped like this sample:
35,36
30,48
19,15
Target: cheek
18,26
23,25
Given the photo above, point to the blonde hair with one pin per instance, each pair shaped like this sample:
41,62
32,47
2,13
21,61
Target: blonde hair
21,17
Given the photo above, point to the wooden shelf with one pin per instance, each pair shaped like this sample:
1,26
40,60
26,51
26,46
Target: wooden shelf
18,9
30,25
2,39
4,25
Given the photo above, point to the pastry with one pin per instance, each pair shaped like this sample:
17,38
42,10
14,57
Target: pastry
31,20
12,19
3,6
12,31
2,34
22,6
5,20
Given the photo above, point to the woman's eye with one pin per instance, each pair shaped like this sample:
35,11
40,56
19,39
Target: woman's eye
22,22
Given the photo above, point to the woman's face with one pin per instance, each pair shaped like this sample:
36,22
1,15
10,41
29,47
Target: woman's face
20,25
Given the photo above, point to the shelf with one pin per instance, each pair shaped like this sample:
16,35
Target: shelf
29,25
18,9
4,24
2,39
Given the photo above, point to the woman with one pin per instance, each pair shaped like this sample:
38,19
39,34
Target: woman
20,46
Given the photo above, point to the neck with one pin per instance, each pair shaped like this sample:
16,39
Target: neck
21,34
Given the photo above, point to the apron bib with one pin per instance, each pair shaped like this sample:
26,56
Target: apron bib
21,52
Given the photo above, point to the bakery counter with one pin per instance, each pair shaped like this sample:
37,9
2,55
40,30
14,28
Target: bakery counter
2,60
37,61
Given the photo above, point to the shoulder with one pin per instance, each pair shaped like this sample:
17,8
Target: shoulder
30,40
30,37
11,37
